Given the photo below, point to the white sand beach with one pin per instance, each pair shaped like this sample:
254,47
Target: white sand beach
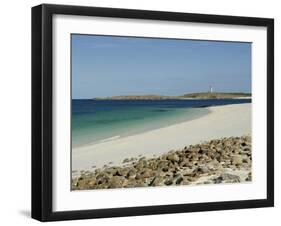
222,121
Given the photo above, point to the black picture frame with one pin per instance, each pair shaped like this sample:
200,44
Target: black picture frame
42,197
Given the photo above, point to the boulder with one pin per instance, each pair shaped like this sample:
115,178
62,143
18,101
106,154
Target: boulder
178,178
157,181
116,182
227,178
145,174
237,160
168,181
126,160
131,173
173,157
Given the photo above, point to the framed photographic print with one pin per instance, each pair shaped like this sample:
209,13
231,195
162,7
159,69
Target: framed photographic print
145,112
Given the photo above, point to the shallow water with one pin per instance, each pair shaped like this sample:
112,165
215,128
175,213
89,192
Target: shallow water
96,121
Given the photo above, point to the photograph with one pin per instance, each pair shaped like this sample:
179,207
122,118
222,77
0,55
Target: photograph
141,112
150,112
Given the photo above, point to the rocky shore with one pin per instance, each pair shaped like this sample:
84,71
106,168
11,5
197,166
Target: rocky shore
226,160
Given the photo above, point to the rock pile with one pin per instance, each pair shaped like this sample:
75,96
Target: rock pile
226,160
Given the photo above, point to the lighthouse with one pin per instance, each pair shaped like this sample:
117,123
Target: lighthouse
210,89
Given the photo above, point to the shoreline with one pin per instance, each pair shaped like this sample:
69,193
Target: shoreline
226,160
222,121
180,119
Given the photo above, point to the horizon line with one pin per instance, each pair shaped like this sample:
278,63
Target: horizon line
127,95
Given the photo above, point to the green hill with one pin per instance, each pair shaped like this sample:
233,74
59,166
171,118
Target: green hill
215,95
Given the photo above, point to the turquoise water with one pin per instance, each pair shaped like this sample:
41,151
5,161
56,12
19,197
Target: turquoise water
95,121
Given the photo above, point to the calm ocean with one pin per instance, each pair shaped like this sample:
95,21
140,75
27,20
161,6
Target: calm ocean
101,120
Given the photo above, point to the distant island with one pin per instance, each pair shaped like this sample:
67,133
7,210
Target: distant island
201,95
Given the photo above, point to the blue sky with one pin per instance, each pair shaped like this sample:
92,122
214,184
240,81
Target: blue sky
108,66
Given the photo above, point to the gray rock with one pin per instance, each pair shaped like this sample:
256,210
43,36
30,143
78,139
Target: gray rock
126,160
173,157
227,178
249,177
237,160
131,173
157,181
116,182
168,182
203,169
178,178
144,174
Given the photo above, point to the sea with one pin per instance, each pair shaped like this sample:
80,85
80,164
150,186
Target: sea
95,121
